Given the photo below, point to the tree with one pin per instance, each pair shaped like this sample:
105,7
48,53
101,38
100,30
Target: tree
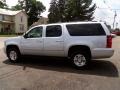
3,4
19,6
80,10
56,11
71,10
32,8
34,11
53,15
61,8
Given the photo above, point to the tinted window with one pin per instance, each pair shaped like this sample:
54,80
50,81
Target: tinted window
85,29
53,31
35,33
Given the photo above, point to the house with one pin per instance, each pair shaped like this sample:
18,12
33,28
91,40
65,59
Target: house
42,20
13,21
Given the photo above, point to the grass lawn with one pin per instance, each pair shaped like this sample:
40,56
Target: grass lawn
8,35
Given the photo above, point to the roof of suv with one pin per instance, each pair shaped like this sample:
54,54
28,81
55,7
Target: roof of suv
71,23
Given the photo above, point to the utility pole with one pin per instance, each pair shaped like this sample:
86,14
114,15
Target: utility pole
115,15
116,24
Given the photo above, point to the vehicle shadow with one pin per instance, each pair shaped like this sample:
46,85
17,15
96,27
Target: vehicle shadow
97,67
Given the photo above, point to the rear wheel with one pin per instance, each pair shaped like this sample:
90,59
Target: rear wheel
13,54
80,59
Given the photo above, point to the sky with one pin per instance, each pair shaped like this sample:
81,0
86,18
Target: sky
105,10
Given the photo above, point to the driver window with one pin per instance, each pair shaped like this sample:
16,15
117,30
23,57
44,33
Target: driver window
35,32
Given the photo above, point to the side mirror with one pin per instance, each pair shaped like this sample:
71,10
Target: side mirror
25,36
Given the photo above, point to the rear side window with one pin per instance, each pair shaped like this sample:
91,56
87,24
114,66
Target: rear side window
53,31
85,29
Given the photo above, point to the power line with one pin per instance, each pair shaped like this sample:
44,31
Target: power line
108,9
107,5
113,10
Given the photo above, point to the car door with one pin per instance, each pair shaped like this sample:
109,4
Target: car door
53,41
32,43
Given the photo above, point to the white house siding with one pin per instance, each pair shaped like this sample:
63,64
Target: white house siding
19,23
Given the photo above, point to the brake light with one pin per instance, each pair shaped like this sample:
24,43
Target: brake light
109,41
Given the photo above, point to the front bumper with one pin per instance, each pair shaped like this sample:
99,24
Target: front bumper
4,49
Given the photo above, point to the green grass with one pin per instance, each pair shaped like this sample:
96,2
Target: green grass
8,35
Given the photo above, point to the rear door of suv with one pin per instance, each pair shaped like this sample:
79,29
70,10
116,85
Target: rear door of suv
54,41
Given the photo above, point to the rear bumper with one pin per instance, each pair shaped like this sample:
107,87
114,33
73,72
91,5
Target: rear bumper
102,53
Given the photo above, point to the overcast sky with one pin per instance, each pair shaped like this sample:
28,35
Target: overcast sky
105,11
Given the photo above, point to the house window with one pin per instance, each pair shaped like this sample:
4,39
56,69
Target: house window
21,18
0,17
3,17
21,27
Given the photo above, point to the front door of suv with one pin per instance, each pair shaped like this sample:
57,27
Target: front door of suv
32,43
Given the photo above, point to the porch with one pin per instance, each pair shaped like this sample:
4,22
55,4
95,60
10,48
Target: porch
7,27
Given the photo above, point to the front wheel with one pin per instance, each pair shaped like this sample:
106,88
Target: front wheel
80,60
13,54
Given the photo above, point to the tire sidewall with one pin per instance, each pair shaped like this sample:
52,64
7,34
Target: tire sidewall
17,53
86,57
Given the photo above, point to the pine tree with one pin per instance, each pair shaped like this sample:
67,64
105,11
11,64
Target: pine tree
53,15
61,7
80,10
71,10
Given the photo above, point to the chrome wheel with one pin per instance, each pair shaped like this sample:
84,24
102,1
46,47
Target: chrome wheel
79,60
13,55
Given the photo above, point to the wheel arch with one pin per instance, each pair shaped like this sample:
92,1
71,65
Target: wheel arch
79,47
12,46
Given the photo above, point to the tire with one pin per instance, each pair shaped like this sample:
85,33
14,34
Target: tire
13,54
80,60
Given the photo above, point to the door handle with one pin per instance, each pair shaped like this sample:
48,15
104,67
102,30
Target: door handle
39,41
59,41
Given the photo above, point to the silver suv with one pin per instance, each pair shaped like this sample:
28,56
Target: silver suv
79,41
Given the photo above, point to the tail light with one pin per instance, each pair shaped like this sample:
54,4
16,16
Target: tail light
109,41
